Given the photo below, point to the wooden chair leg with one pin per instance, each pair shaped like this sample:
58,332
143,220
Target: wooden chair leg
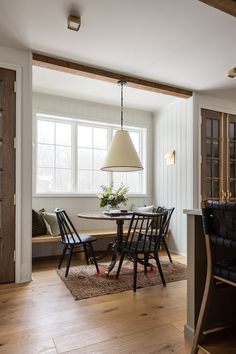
69,260
167,249
93,256
207,296
62,256
120,264
86,253
209,287
159,268
135,272
145,263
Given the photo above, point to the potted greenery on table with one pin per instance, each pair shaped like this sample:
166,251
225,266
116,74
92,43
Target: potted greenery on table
111,198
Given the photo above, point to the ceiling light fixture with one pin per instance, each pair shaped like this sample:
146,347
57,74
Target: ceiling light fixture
122,156
232,73
73,23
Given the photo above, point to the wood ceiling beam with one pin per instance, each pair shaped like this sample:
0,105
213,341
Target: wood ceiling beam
105,75
228,6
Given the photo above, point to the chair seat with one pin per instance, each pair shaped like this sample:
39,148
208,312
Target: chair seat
75,239
226,269
142,247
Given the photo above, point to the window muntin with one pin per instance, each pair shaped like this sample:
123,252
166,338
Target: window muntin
69,154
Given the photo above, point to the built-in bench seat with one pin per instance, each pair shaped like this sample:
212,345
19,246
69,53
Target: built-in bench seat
96,233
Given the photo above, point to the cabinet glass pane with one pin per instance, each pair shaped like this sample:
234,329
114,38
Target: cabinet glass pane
216,168
232,170
0,155
232,189
216,148
232,150
232,131
1,95
215,189
208,189
208,147
215,129
1,125
208,168
208,128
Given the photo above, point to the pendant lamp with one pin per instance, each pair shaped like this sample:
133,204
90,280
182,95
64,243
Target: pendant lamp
122,156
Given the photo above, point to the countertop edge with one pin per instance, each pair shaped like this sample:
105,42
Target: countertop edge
192,211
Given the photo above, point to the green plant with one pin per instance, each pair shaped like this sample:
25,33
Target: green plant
112,197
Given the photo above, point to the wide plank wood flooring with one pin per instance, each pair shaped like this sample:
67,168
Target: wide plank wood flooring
42,317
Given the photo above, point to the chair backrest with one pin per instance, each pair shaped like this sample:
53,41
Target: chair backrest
219,222
168,213
67,229
142,233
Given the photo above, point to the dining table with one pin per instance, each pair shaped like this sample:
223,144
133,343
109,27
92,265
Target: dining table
119,218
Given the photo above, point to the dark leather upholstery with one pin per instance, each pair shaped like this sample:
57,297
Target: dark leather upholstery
219,221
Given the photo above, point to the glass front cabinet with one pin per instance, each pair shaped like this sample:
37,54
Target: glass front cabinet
218,156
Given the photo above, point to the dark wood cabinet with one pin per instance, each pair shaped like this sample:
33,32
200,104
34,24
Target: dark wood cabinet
218,156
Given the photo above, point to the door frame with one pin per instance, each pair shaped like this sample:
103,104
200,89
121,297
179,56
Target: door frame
18,217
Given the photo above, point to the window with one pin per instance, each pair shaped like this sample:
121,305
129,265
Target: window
69,153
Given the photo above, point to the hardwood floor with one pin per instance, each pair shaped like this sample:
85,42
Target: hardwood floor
42,317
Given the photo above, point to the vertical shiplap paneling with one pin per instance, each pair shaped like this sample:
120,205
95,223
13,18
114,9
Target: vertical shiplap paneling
173,130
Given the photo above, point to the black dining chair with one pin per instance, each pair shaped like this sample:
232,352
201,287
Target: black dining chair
72,240
168,213
167,217
219,225
143,242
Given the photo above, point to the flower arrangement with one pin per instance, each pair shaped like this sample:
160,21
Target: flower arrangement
112,198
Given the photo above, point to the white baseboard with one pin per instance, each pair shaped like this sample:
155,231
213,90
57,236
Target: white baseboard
177,252
188,333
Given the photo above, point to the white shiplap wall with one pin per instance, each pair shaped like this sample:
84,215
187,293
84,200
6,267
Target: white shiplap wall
173,184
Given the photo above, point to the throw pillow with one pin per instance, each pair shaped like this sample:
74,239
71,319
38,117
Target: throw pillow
38,224
142,209
51,223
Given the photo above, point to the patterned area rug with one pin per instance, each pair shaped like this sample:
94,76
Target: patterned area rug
84,282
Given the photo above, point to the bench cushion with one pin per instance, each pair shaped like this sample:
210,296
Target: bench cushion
96,233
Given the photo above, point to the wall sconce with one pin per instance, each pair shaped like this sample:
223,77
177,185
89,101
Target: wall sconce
232,73
170,157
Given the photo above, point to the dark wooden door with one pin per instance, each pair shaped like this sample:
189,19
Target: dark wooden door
7,175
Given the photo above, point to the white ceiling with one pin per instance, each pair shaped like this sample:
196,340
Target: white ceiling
78,87
185,43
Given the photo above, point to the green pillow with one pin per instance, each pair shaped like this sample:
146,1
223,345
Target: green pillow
38,224
51,223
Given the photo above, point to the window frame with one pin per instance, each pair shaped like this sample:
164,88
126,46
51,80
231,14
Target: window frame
92,122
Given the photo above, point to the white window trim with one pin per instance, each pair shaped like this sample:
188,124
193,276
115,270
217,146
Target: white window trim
95,123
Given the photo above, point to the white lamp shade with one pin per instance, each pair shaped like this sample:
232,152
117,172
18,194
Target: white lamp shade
122,156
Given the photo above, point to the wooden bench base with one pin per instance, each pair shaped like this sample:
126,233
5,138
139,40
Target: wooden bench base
96,233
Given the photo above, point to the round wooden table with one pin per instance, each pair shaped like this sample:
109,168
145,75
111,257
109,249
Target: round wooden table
119,231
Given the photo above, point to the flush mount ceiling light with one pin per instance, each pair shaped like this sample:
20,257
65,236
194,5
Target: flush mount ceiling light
73,23
232,73
122,156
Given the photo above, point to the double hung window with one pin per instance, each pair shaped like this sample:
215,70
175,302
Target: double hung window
68,155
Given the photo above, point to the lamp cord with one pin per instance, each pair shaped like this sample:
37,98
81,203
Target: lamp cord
122,110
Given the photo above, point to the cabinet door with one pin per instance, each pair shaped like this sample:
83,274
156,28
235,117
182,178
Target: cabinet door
211,155
231,158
